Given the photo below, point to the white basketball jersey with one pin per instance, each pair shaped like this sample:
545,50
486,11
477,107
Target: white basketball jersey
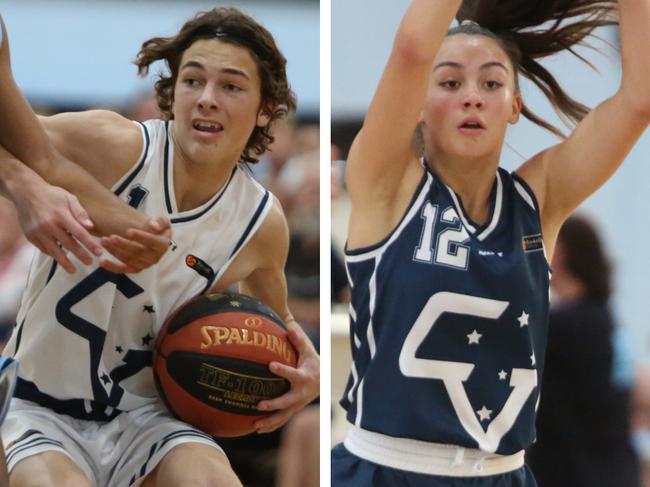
84,341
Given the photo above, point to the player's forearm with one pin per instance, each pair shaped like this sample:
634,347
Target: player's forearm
20,131
109,214
15,177
423,29
635,37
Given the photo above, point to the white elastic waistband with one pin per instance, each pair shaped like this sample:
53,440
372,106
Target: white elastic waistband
428,458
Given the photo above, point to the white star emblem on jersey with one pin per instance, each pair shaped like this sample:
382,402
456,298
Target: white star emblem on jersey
503,375
532,358
523,319
484,413
474,337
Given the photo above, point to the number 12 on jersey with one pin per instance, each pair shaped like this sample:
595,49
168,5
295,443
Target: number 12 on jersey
449,249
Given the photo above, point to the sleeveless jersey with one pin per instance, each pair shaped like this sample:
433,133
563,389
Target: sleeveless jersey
84,341
448,321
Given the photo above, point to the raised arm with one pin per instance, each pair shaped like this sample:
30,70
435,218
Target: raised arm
566,174
382,150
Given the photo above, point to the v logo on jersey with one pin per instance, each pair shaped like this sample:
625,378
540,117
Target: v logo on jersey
453,374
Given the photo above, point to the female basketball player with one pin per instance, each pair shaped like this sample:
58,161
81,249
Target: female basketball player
447,254
86,411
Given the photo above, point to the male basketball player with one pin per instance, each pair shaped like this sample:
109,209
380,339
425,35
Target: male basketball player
86,411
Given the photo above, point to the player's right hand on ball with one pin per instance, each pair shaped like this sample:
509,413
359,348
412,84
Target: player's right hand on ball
54,221
140,249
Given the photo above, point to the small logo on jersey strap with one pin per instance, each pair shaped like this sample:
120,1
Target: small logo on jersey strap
532,243
199,266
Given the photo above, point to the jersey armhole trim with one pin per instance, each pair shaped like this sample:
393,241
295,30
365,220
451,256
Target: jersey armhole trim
528,191
363,253
521,185
125,180
254,224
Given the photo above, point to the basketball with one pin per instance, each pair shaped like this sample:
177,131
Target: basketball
211,362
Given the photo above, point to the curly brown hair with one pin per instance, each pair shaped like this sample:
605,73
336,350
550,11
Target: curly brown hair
232,26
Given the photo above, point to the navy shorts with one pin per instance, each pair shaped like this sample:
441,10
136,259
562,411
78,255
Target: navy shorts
348,470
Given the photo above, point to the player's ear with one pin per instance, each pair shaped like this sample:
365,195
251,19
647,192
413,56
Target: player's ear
264,115
517,105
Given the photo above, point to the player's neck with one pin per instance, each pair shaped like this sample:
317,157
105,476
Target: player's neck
196,183
472,181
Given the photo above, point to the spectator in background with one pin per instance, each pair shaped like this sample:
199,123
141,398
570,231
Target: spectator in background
641,421
278,153
583,422
15,257
299,182
339,281
143,107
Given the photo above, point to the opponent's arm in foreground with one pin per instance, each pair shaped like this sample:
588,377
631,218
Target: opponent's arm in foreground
566,174
51,216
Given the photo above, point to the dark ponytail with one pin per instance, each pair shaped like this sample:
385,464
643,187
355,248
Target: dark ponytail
531,29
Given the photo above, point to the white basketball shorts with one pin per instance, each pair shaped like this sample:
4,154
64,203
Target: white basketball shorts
112,454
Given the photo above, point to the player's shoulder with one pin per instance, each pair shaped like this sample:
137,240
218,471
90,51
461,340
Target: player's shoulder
90,121
96,131
102,141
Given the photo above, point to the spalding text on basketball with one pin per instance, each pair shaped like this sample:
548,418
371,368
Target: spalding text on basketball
214,336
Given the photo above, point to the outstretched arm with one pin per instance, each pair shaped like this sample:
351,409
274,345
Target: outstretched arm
382,150
566,174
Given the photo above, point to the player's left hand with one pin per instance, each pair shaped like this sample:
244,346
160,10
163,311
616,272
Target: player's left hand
304,379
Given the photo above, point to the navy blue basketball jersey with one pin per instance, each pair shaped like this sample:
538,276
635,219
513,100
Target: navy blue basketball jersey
448,321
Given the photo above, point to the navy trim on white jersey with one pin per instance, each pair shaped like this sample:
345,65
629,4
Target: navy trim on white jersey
20,335
40,440
125,182
72,407
52,270
168,201
207,208
253,224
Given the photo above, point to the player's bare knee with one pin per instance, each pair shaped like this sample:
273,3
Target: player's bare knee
47,469
195,465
